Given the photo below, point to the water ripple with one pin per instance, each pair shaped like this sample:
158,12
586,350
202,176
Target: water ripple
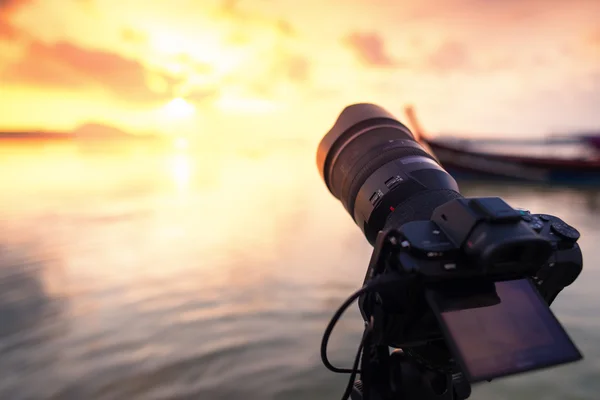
139,288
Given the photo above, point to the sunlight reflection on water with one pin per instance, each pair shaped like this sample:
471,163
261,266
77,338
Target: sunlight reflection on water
210,275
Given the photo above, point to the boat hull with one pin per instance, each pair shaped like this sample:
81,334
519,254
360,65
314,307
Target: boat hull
463,165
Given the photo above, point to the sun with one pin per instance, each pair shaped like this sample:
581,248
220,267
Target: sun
179,108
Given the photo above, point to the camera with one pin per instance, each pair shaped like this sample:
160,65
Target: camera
460,287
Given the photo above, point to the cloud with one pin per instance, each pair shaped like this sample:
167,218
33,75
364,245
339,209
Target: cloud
65,65
284,74
594,38
7,30
244,19
285,27
132,36
450,56
284,70
370,49
495,13
8,6
593,43
297,68
230,6
203,96
7,10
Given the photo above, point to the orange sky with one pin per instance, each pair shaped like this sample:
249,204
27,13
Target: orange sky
288,67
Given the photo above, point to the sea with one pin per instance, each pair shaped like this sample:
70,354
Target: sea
208,274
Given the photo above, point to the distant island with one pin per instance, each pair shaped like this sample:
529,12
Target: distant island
87,132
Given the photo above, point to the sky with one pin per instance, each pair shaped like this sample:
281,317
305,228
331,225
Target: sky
283,68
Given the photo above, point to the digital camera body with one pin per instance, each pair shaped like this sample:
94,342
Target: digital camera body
470,238
468,245
461,285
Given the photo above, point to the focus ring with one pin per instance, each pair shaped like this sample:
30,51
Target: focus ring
351,188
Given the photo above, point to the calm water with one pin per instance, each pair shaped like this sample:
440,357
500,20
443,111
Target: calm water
212,276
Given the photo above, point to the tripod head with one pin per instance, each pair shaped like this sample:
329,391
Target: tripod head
410,380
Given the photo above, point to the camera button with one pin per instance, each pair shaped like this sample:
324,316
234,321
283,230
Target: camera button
565,231
450,266
537,226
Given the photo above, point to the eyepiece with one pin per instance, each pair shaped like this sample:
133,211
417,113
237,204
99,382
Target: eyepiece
372,163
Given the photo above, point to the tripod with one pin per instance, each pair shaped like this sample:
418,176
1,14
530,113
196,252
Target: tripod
397,376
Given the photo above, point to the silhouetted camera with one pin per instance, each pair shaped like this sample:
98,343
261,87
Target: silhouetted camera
461,285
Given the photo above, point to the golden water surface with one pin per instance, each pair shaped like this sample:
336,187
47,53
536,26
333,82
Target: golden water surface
211,274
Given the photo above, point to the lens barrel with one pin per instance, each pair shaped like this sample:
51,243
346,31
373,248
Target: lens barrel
384,178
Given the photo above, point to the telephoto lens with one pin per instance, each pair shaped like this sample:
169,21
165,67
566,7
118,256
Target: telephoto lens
383,176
